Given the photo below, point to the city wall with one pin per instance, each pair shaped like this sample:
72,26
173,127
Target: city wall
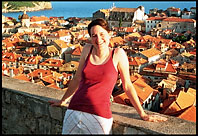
25,110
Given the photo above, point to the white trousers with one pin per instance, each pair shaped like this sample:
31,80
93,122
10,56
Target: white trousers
77,122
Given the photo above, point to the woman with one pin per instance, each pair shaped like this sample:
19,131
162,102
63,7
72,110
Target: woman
89,109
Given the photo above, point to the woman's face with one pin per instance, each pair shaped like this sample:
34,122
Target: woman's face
99,37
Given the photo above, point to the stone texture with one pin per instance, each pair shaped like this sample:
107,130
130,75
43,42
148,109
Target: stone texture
56,113
25,110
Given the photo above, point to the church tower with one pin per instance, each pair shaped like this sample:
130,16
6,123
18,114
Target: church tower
25,20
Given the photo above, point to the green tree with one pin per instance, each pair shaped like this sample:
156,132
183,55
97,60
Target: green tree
120,22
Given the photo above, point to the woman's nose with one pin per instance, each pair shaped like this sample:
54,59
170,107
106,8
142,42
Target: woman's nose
98,38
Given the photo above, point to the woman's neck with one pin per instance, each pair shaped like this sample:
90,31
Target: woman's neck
101,52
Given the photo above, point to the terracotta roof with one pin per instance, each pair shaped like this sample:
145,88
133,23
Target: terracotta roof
61,43
37,19
137,61
173,52
160,65
118,40
32,60
173,108
136,34
52,49
77,51
9,56
22,77
62,33
150,67
122,99
151,52
123,9
189,114
156,18
53,62
170,68
48,79
53,85
185,100
192,91
37,72
143,90
176,19
175,9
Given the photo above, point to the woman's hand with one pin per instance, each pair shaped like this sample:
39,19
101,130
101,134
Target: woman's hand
57,103
153,118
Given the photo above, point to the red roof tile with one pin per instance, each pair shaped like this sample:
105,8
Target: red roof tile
185,100
77,51
22,77
52,62
189,114
176,19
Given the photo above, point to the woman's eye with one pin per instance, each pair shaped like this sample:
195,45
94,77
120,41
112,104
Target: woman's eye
101,34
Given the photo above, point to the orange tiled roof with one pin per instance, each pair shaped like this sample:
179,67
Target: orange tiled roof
77,51
173,108
37,19
22,77
118,40
189,114
48,79
155,18
121,99
160,65
174,9
143,90
123,9
177,19
61,43
192,91
62,33
37,72
170,68
185,100
151,52
52,62
172,52
9,56
53,85
137,61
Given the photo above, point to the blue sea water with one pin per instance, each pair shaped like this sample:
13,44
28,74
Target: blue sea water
87,8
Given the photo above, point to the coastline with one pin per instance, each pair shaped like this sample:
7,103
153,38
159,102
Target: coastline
22,10
37,7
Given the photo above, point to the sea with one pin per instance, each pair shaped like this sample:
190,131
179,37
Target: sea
83,9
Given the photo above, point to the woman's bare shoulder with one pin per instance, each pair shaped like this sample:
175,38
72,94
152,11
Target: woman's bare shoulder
120,52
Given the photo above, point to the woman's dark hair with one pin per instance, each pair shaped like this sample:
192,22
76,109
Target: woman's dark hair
101,22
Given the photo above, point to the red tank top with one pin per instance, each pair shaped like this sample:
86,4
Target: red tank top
95,89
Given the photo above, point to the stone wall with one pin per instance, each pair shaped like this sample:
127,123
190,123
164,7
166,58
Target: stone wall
25,110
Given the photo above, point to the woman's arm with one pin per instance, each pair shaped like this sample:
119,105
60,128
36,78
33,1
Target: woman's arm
74,83
123,67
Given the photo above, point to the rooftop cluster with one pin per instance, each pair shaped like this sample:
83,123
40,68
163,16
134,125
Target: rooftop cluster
161,50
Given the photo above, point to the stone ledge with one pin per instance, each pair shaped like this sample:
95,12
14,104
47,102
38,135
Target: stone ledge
126,119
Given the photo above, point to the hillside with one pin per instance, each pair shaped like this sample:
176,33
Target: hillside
16,6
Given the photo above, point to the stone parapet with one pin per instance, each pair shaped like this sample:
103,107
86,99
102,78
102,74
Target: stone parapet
25,110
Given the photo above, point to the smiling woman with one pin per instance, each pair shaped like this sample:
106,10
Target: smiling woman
89,110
